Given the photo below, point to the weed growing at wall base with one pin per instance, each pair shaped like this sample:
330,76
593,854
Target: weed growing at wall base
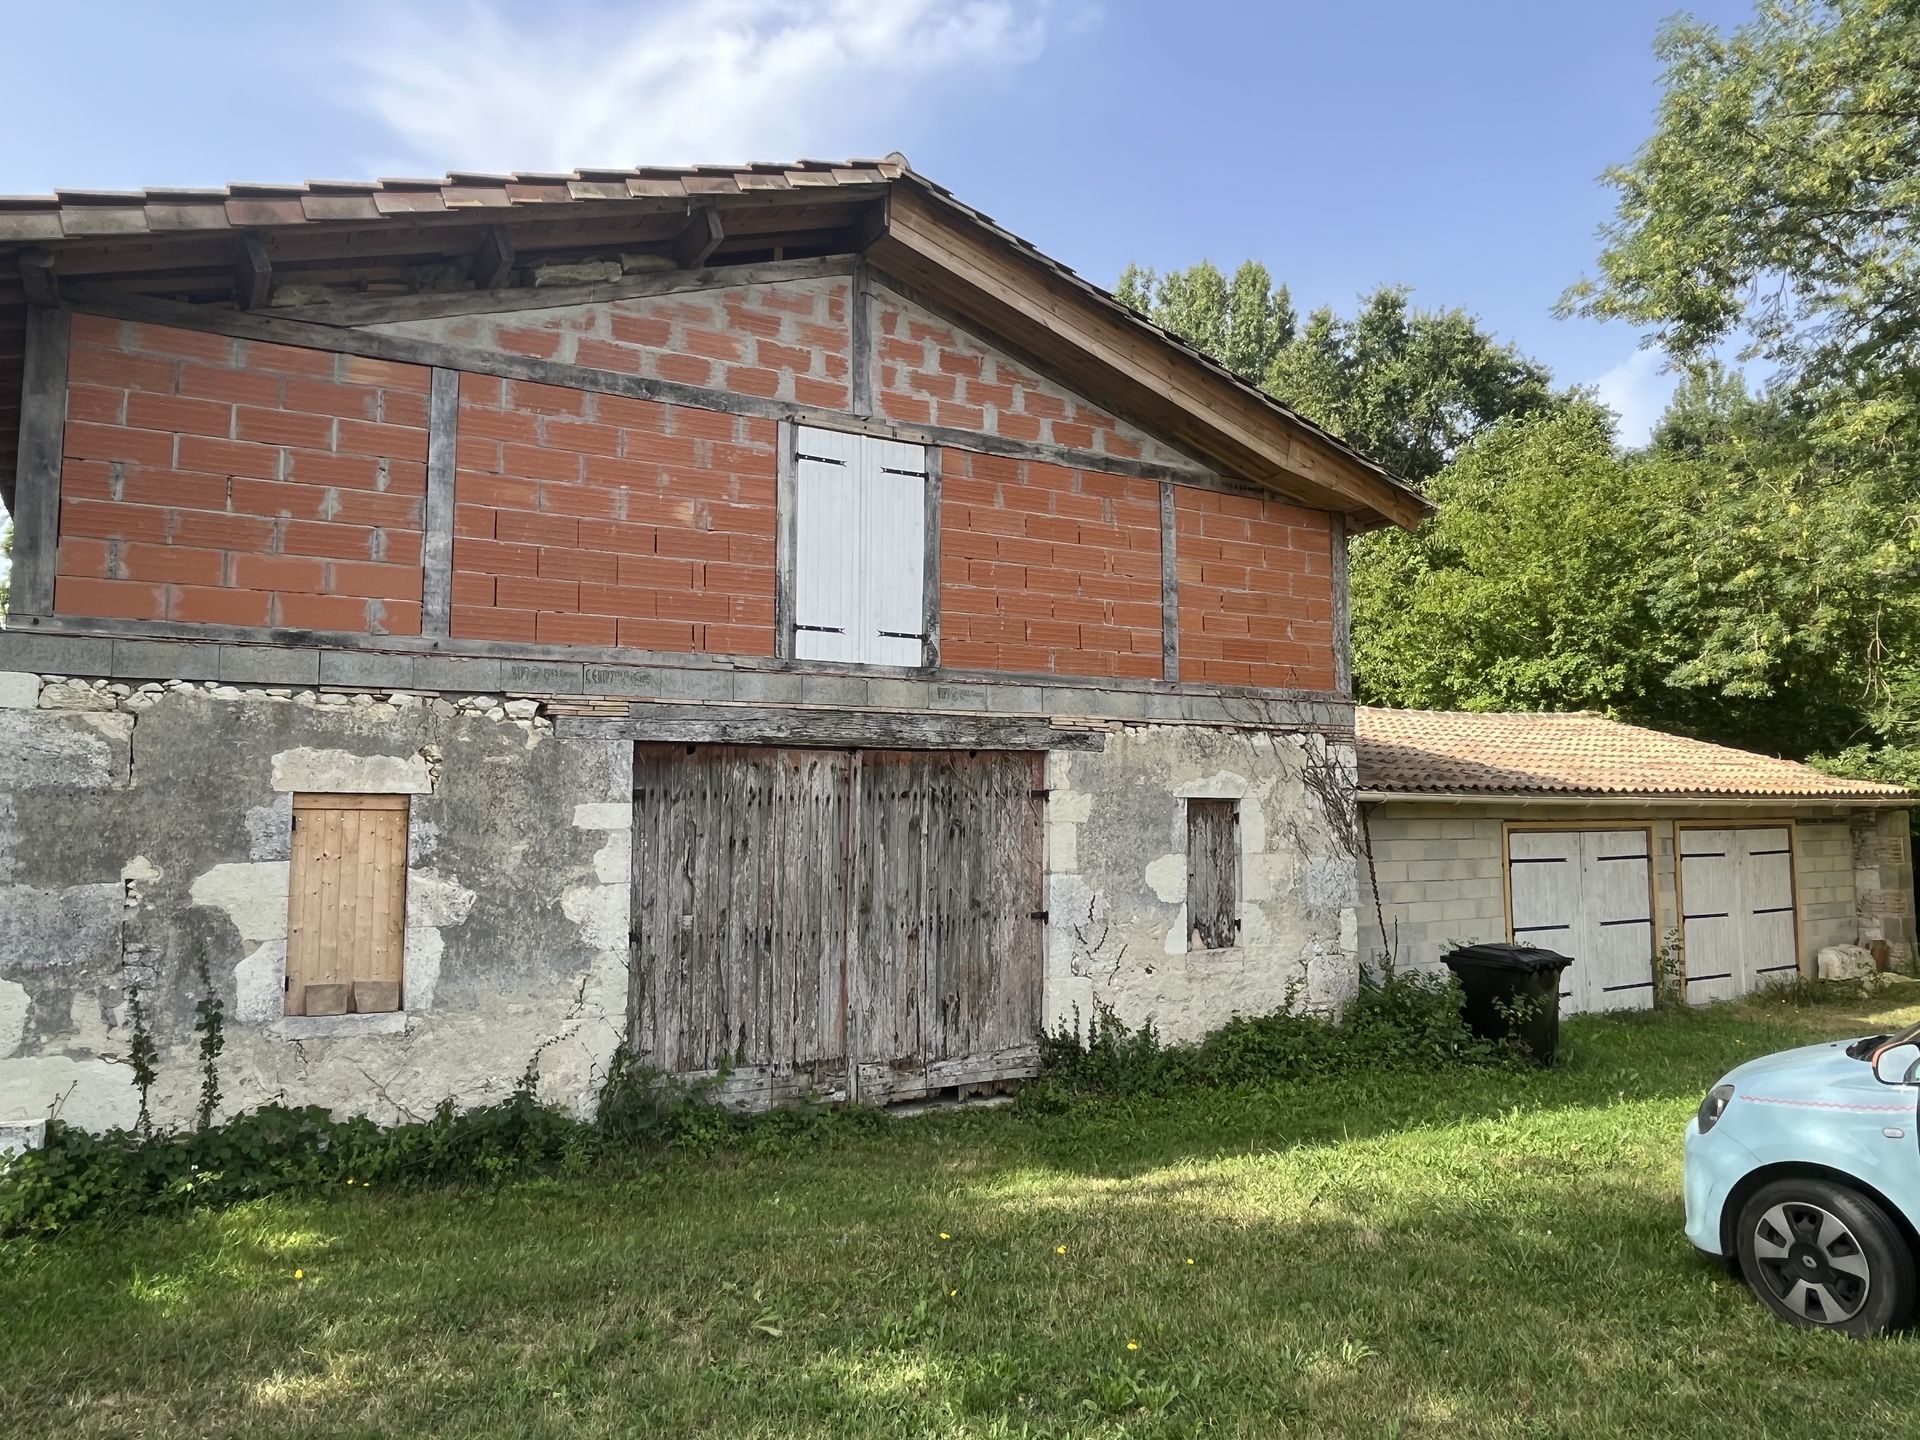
1397,1021
80,1177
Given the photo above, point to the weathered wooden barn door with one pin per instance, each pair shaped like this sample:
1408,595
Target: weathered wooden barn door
739,917
946,942
849,924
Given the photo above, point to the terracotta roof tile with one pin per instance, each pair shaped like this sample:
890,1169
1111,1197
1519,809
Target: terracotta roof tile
1451,752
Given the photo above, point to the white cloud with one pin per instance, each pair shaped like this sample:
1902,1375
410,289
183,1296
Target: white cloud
1637,390
545,88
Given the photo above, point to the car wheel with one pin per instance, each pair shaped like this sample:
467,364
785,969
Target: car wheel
1824,1255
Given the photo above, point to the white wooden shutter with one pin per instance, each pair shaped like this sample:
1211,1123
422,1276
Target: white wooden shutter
1543,869
859,580
893,501
1584,893
1616,914
826,576
1710,921
1772,948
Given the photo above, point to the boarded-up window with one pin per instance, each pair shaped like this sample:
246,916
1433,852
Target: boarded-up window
859,548
1213,874
347,904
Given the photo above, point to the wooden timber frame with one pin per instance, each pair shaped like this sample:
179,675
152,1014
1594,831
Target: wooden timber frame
331,327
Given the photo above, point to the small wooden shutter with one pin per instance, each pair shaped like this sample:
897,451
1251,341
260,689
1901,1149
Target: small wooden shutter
347,904
1213,874
859,563
826,572
893,518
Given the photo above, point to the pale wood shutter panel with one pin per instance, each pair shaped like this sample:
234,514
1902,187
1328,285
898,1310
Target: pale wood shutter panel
347,904
1213,874
826,533
893,520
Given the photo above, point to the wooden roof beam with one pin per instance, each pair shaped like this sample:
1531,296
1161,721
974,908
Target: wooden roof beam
252,273
493,260
700,237
38,278
1106,355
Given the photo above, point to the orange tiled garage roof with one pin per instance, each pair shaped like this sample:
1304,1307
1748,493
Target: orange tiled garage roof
1452,752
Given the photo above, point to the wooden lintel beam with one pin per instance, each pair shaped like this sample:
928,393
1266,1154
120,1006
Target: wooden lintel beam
781,725
698,239
252,273
39,278
493,260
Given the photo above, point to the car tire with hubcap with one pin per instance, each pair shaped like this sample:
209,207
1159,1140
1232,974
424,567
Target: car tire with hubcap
1824,1255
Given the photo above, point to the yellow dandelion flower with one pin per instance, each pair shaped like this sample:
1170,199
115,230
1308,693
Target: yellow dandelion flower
1133,1344
1189,1259
1059,1249
945,1236
299,1274
952,1293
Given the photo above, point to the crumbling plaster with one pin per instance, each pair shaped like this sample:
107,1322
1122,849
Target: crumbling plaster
164,856
1117,878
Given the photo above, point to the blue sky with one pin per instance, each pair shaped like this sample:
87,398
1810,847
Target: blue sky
1454,148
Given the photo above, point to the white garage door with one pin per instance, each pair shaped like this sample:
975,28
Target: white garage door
1585,893
1736,899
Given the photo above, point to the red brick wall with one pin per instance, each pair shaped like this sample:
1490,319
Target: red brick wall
584,519
1256,591
231,482
931,373
786,341
1045,569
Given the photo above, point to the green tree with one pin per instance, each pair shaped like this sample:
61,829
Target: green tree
1243,323
1777,198
1528,591
1407,387
1775,207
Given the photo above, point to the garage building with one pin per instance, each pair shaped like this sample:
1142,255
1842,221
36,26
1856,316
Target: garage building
1619,846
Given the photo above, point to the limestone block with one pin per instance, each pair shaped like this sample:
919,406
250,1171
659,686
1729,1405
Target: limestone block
19,690
20,1135
66,750
1846,962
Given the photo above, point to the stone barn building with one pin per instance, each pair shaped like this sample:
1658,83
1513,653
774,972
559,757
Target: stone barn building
1619,845
771,614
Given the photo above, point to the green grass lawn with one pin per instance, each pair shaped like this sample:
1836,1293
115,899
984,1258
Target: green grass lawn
1466,1253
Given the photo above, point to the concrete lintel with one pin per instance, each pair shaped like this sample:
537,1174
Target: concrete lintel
268,665
368,670
165,660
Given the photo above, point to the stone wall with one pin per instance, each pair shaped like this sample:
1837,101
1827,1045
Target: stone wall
1117,875
145,838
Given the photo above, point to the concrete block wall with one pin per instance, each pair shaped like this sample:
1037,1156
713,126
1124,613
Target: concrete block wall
1440,876
145,840
1824,881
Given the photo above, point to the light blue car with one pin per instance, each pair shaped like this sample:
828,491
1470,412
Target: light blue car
1805,1168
